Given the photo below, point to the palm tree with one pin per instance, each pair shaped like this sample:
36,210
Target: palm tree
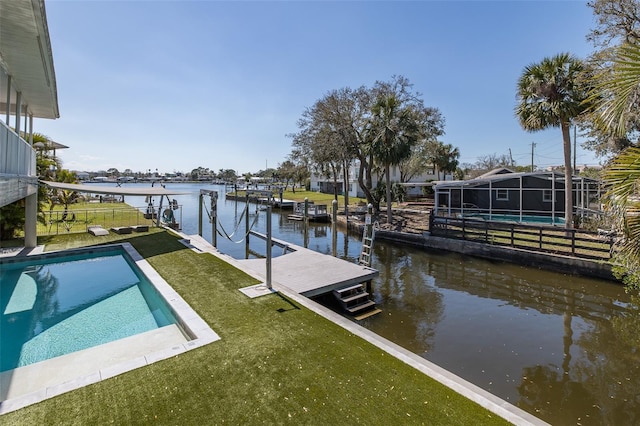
551,94
392,133
445,159
622,180
615,96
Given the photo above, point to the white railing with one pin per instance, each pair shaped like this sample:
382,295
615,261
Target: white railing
16,156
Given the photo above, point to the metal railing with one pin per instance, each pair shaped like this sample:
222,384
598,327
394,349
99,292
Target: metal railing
17,157
76,221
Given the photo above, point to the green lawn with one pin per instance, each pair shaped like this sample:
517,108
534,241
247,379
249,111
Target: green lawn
276,363
82,215
313,196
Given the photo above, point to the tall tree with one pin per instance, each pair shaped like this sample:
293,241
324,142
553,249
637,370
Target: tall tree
622,180
617,22
551,93
394,130
330,135
445,159
336,129
615,97
615,94
424,152
286,171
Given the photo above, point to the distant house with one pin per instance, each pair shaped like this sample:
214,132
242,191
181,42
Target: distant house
326,185
502,192
82,175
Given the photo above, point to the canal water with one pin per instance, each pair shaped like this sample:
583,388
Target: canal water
564,348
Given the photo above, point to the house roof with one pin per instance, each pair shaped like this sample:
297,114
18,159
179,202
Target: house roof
26,55
505,174
498,171
50,145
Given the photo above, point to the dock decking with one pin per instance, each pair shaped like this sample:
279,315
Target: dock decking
310,273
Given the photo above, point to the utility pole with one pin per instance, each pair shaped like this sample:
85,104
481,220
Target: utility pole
533,145
510,158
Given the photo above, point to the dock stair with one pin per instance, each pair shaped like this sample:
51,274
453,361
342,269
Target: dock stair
356,301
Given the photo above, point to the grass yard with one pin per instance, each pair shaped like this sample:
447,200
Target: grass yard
276,363
313,196
82,215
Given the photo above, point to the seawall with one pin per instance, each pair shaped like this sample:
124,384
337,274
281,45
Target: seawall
559,263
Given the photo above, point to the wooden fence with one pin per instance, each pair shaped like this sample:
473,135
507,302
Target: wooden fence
547,239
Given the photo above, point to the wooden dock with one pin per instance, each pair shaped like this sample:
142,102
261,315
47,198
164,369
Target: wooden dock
260,198
315,213
310,273
282,204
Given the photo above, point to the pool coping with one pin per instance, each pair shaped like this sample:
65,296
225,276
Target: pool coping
189,320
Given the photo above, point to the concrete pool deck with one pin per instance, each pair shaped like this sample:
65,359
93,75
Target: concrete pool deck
33,383
483,398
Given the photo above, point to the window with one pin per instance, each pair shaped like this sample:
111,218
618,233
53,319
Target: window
502,194
547,196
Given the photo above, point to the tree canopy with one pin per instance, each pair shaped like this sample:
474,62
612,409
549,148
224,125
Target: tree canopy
354,126
551,93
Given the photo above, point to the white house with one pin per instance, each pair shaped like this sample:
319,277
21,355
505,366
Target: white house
323,184
27,90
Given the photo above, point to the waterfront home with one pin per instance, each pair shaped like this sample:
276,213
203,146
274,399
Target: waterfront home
324,184
502,192
27,90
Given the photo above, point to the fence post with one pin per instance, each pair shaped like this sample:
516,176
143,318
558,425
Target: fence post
463,230
573,242
431,221
486,232
512,243
540,231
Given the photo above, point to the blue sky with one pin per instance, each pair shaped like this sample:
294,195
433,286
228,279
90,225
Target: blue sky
174,85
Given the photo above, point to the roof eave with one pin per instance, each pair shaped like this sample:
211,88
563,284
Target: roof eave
27,56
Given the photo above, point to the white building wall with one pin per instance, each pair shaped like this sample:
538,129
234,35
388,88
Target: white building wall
354,187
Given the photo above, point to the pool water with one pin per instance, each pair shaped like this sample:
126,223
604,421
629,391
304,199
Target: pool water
516,218
51,306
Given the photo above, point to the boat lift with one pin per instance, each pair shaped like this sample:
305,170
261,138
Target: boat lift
213,214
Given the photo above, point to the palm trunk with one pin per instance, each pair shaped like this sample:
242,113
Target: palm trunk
334,173
388,182
345,177
568,177
363,185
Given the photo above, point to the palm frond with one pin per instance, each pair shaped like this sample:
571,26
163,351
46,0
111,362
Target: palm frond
617,89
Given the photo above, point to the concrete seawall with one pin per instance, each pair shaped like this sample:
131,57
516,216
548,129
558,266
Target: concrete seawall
558,263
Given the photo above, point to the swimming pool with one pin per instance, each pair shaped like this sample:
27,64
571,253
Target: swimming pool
77,317
54,306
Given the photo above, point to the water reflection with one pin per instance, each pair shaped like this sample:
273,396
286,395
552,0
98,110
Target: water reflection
544,341
21,321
